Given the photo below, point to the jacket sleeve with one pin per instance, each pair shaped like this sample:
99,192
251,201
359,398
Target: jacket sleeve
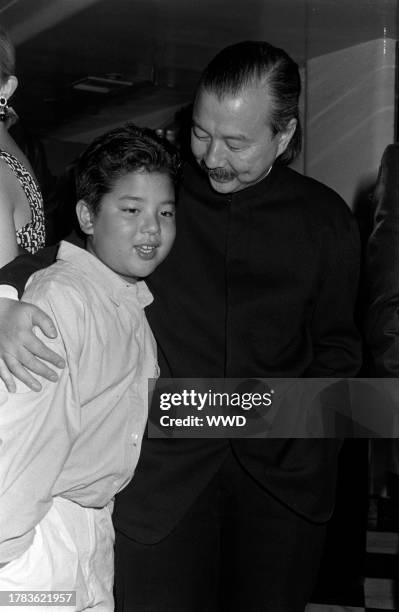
17,272
335,337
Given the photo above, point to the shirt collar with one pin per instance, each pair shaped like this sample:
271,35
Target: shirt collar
117,289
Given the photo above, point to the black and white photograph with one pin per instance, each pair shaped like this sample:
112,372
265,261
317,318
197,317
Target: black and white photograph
199,305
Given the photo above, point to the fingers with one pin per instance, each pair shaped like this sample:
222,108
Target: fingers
43,321
26,363
22,353
21,368
28,360
17,370
7,377
35,350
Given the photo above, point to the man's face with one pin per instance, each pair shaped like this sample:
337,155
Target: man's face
231,138
134,228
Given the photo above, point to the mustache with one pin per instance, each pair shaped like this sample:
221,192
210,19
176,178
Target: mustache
219,174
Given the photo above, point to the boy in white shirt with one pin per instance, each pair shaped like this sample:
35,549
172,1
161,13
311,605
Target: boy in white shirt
66,451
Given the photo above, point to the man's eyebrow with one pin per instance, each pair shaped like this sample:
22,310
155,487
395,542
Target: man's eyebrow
195,123
241,137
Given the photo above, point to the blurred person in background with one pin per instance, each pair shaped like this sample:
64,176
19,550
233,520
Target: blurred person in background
22,223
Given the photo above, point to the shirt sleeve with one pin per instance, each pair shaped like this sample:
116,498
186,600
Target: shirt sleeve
336,339
37,432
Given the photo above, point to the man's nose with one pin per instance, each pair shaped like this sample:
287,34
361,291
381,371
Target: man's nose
214,157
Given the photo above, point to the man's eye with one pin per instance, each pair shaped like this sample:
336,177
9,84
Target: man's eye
168,213
234,148
200,135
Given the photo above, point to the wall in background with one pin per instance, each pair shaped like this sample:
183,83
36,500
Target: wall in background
346,49
350,115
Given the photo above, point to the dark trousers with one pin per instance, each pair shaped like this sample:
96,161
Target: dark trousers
237,549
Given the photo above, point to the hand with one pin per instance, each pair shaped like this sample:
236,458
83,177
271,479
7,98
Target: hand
20,348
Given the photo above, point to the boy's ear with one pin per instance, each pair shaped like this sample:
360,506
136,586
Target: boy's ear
85,217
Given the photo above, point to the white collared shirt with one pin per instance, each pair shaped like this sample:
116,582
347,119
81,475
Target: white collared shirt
79,438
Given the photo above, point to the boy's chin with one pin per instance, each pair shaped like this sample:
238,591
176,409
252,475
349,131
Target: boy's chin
136,275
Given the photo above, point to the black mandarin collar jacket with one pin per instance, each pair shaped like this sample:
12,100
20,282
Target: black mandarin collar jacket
261,282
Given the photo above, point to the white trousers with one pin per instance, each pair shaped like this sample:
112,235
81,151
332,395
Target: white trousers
72,550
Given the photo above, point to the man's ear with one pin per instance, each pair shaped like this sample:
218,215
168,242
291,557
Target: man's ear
85,217
286,135
8,87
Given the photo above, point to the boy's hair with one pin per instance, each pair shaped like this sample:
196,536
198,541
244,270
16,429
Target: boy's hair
116,153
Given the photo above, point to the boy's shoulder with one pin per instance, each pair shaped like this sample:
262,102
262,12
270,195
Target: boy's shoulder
60,292
59,283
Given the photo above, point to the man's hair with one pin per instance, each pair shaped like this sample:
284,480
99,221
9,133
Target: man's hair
116,153
7,56
257,63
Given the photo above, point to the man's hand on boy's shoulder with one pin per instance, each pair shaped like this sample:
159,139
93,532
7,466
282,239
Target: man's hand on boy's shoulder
21,351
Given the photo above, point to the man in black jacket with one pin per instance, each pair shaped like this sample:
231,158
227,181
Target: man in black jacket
261,282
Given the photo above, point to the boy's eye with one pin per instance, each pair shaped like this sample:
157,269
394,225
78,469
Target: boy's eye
131,210
168,213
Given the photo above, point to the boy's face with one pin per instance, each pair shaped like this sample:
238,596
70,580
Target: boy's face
134,228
